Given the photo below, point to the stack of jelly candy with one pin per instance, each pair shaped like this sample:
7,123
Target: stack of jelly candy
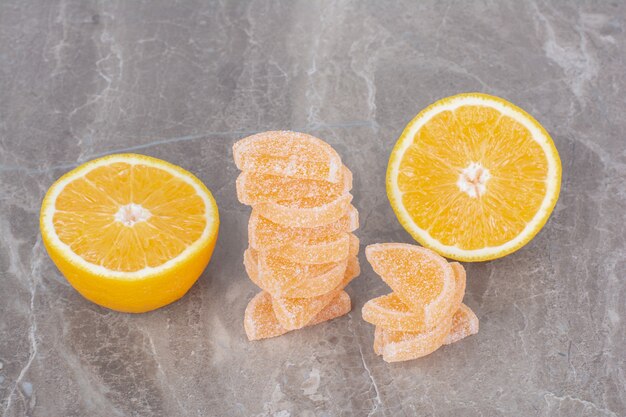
425,309
302,252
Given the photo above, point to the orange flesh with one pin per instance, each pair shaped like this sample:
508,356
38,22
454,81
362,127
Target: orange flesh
447,144
86,209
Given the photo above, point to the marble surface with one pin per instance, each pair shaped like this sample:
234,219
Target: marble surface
182,80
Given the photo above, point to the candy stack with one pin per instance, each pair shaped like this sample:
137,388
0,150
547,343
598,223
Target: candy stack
302,252
425,309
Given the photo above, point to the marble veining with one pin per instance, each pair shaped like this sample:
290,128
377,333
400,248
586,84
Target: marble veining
183,80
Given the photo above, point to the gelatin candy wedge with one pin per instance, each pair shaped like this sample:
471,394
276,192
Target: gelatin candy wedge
265,234
261,323
319,285
422,279
290,154
403,346
254,187
295,313
464,323
319,251
390,312
306,212
277,275
378,340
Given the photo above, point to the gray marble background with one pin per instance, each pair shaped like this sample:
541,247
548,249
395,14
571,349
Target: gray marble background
182,80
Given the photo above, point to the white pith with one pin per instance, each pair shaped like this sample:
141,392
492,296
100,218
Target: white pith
132,213
473,180
552,180
48,211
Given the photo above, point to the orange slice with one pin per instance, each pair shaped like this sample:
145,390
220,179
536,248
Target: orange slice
473,177
402,346
289,154
295,313
464,324
254,187
390,312
261,323
320,285
319,251
283,274
306,212
423,280
129,232
264,234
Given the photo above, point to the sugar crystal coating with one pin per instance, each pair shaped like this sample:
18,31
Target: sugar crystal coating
306,212
261,323
464,324
390,312
422,279
290,154
254,187
295,313
265,234
302,252
405,330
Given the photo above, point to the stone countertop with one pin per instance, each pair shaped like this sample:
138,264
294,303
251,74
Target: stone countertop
183,80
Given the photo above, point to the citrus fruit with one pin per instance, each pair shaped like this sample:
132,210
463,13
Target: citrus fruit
261,323
464,323
306,212
264,234
129,232
390,312
254,187
422,279
289,154
473,177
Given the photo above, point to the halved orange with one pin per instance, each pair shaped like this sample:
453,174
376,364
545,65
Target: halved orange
473,177
130,232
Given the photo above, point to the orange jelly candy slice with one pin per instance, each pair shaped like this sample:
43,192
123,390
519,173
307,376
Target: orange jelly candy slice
265,234
277,275
261,323
464,323
254,187
390,312
322,284
295,313
289,154
403,346
319,251
421,278
306,212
